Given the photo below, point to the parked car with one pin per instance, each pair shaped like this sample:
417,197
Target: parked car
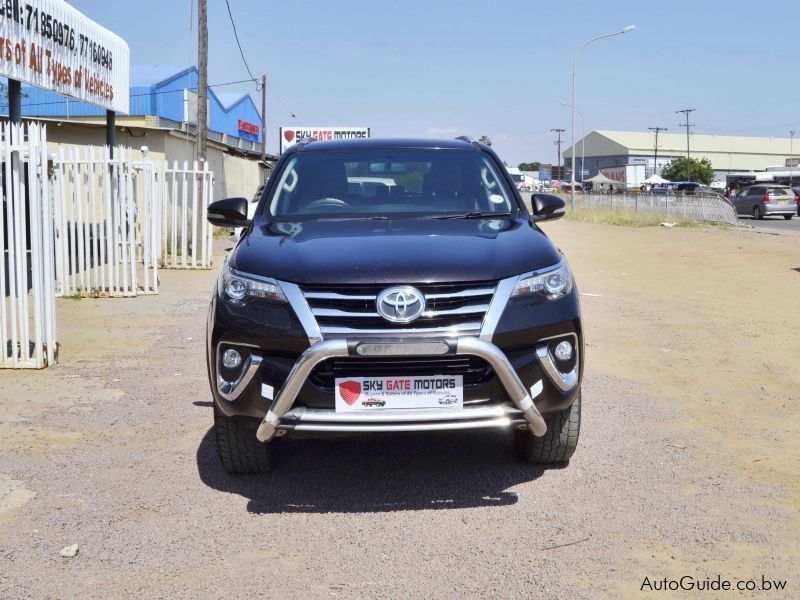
662,191
764,200
796,190
432,289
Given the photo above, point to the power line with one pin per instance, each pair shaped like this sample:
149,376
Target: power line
238,43
558,143
246,66
655,155
687,112
216,85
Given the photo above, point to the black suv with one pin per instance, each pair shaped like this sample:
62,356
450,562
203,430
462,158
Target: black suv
392,286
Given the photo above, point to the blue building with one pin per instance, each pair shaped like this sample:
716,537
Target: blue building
163,96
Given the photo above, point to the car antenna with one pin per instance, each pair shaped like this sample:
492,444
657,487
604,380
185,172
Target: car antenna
304,141
469,140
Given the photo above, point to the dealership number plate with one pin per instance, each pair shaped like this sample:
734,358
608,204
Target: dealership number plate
380,393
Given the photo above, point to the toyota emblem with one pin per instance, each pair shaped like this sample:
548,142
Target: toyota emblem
400,304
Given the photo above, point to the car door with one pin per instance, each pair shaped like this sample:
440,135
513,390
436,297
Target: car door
739,201
745,207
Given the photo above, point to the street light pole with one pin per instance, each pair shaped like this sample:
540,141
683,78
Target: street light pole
791,156
574,63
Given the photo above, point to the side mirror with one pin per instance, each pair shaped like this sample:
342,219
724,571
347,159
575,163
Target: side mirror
231,212
546,207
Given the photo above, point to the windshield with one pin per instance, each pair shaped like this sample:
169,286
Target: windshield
389,182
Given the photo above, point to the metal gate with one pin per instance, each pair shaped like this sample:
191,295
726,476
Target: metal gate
107,219
186,235
27,270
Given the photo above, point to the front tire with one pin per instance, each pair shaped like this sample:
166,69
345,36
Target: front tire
559,443
788,217
239,450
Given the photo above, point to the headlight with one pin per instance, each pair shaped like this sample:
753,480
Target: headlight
553,283
238,287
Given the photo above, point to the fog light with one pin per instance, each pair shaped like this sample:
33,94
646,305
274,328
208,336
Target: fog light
231,359
564,351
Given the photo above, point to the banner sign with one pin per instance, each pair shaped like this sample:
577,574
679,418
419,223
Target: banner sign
293,135
50,45
378,393
248,130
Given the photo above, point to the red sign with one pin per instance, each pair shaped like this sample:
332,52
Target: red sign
247,127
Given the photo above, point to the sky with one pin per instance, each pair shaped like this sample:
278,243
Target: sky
443,68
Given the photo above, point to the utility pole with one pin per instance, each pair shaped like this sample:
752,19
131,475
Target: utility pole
687,112
655,154
202,80
263,118
791,156
558,143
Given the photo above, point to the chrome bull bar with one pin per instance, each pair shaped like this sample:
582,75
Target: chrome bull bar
472,346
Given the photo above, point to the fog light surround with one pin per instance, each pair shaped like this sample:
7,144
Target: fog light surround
231,359
563,351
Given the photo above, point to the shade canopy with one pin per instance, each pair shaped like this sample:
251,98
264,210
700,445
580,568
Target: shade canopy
600,178
655,179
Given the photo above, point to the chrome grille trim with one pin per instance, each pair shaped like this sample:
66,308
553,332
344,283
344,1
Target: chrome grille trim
464,310
452,329
454,312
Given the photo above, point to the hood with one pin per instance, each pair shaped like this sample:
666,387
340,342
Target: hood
328,251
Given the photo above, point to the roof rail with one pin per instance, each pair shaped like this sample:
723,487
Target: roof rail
306,140
469,140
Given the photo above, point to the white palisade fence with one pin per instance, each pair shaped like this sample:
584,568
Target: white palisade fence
186,235
106,223
27,270
88,222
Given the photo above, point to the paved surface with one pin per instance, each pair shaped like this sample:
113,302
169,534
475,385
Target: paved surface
687,463
774,224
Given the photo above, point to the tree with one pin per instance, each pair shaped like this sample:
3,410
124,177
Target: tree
484,139
531,166
701,170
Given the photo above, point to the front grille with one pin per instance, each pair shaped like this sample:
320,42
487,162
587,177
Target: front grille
450,309
475,370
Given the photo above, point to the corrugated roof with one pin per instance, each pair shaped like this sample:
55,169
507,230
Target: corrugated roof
230,99
676,142
155,74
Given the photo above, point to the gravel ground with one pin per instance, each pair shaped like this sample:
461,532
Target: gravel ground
687,464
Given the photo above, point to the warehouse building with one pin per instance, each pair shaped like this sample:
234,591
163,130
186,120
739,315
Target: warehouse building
163,115
603,149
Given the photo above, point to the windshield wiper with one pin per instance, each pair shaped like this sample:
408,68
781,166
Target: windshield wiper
474,215
373,218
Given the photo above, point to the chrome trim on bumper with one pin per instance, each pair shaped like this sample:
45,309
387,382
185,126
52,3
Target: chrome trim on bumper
563,381
231,390
464,346
508,377
354,427
318,415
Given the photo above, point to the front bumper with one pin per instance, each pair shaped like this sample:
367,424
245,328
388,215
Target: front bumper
521,412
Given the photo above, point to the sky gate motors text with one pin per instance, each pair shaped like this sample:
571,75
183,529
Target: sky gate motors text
331,134
407,385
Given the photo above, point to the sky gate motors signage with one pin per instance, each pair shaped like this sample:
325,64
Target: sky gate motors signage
293,135
49,44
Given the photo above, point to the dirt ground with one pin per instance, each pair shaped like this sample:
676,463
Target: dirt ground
688,462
